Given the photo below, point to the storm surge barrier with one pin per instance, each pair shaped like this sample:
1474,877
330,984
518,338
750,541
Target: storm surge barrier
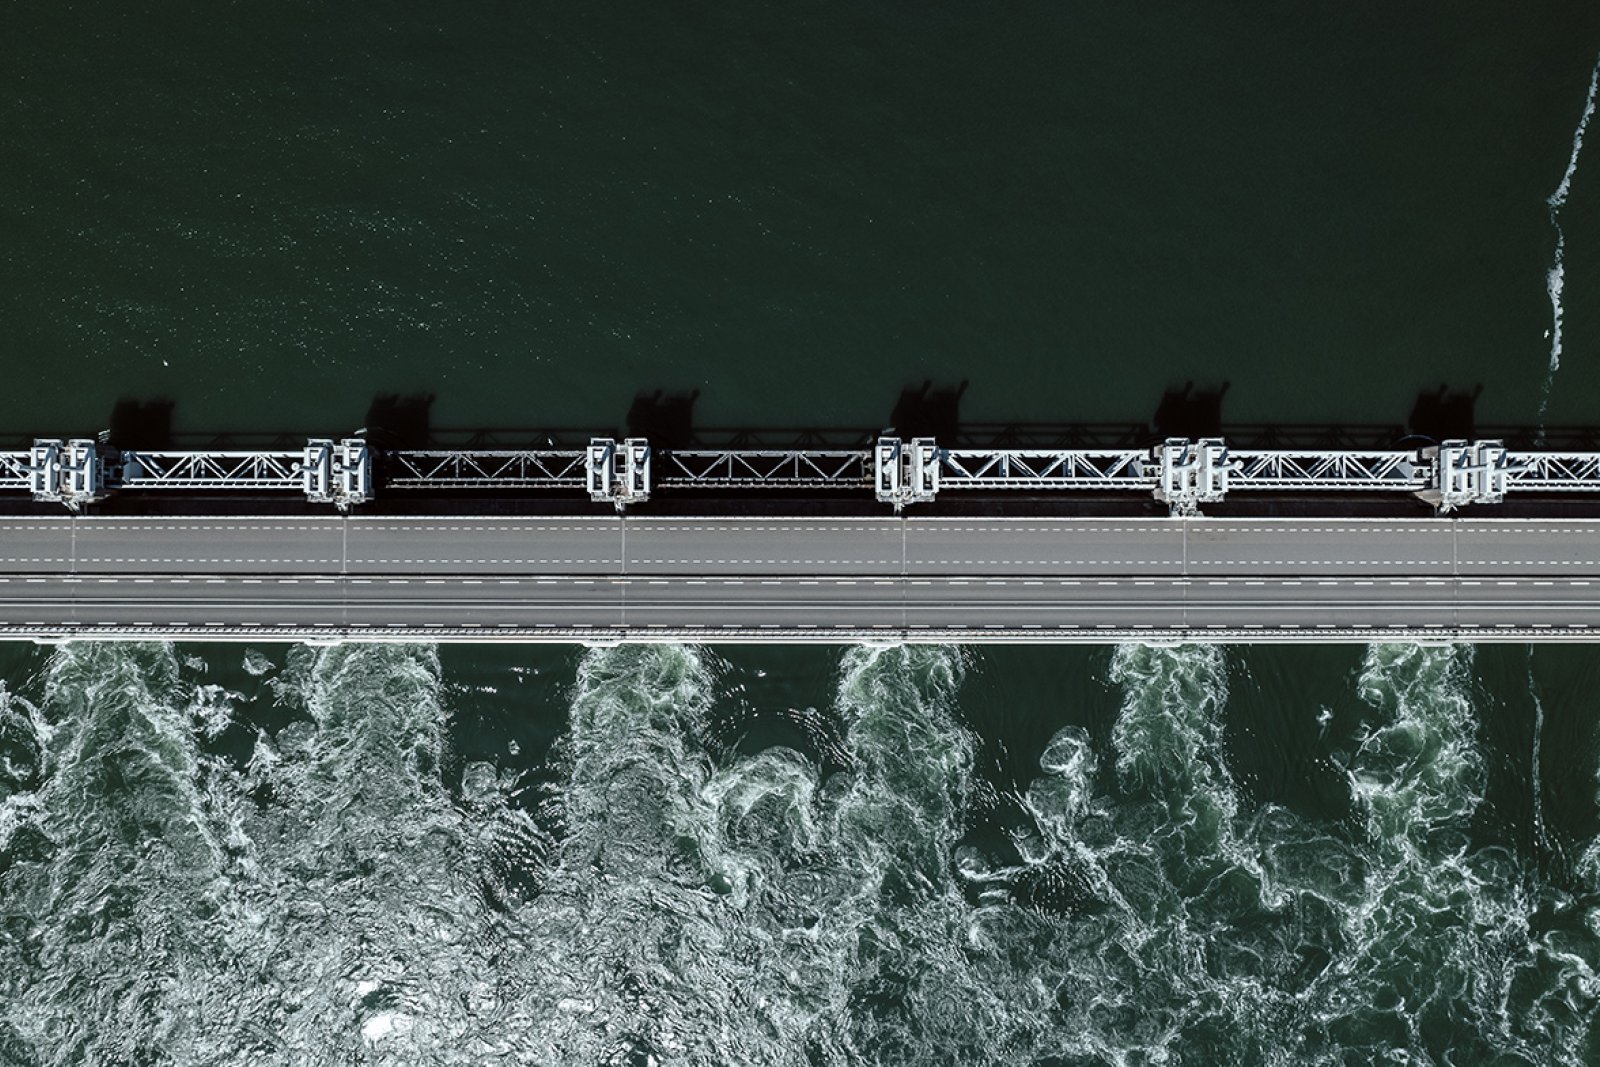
1182,473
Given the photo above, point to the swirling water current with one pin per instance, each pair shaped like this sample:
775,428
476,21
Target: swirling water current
405,855
657,855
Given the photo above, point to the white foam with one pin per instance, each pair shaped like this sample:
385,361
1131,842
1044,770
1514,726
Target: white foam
1556,276
1559,197
1537,783
1555,281
384,1024
763,908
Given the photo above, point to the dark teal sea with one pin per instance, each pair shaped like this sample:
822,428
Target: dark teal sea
270,213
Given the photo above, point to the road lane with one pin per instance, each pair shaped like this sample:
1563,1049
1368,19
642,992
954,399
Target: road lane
456,545
1043,546
1502,546
605,544
754,546
1320,547
600,577
794,605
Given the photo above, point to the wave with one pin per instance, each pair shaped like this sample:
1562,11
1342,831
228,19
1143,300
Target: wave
115,905
1202,928
1185,942
1433,921
1440,956
361,882
754,912
319,904
757,912
627,949
349,891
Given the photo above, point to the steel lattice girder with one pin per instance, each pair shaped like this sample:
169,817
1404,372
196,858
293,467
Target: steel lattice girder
1269,470
792,468
14,469
984,468
1262,470
210,470
555,468
1571,472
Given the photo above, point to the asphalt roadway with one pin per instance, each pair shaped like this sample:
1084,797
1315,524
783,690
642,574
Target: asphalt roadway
607,578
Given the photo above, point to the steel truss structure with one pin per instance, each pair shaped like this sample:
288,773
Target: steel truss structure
211,470
15,469
1554,472
1337,471
533,469
1046,469
1180,472
763,468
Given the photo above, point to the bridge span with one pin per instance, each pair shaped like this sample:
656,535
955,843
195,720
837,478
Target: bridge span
614,577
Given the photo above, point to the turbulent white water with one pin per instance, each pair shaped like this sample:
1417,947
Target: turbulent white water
1556,276
345,892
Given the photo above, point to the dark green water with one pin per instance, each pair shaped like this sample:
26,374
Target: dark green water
796,855
271,213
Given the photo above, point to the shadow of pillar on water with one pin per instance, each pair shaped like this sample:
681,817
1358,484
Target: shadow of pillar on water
142,424
926,409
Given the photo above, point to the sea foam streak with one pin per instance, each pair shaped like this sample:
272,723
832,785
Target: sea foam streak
1556,276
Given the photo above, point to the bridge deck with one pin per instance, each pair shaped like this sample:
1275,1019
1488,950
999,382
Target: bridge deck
917,578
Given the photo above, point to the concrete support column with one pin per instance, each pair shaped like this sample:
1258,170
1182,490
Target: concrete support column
337,473
618,471
1465,472
1191,473
69,472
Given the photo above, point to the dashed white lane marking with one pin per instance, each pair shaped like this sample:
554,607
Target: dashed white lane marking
1018,584
1064,560
1204,530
